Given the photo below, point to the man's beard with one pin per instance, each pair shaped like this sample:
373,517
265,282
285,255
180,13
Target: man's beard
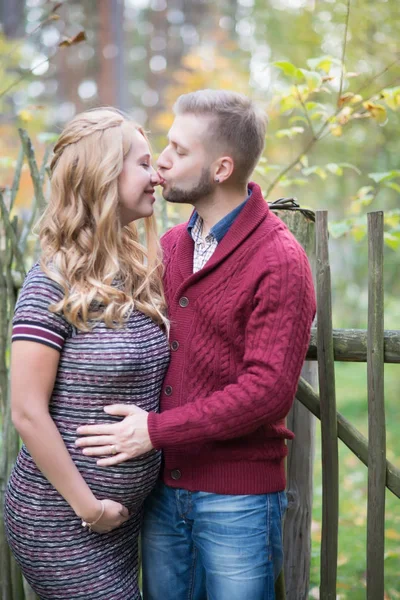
203,188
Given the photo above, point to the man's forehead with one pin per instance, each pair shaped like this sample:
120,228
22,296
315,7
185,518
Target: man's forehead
188,129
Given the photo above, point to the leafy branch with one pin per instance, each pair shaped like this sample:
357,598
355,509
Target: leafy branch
50,16
371,109
344,52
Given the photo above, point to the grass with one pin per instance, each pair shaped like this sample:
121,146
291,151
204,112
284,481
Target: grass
351,394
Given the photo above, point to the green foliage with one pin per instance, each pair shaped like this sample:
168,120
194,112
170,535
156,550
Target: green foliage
380,177
312,105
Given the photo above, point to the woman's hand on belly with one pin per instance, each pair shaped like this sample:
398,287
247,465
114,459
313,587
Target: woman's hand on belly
113,515
124,440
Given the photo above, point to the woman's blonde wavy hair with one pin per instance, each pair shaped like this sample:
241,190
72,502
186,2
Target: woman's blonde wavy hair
104,270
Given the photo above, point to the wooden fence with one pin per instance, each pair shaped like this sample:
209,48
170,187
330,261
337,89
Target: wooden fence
374,346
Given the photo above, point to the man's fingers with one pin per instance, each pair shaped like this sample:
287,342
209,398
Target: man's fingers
106,429
120,410
98,440
112,460
99,451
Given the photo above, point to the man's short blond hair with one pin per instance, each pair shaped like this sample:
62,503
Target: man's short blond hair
237,126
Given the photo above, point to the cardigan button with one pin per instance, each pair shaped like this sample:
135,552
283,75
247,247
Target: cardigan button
183,302
176,474
168,390
175,345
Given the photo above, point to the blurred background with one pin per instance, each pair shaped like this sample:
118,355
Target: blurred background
326,71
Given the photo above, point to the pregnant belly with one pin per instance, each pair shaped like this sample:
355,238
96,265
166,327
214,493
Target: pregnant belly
128,483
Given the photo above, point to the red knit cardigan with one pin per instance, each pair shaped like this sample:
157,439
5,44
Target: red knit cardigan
240,330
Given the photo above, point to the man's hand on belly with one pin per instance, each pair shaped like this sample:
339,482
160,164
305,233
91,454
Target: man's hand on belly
122,441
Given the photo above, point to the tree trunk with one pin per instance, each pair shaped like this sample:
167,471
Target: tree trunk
111,79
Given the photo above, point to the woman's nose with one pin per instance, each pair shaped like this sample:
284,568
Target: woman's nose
155,178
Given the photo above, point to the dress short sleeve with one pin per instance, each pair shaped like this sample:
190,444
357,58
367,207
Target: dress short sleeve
33,321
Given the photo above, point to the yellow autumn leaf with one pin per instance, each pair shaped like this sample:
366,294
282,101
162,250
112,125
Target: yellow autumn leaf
25,116
345,98
391,97
377,111
76,39
336,130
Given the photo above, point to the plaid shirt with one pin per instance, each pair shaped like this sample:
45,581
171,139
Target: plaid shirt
204,248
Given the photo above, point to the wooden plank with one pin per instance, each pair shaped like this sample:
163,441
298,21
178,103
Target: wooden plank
349,435
351,345
326,372
297,530
300,460
376,412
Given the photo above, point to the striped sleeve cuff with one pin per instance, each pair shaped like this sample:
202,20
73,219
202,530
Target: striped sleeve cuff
31,332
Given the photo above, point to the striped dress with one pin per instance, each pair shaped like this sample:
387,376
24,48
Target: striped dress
59,558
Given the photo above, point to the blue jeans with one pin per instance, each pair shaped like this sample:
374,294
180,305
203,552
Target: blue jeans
199,546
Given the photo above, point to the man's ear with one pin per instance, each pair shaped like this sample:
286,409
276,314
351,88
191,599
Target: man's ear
224,167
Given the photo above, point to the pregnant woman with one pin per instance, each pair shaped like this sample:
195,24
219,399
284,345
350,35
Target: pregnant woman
89,330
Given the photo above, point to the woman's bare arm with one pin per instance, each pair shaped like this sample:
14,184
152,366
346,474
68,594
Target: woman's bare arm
33,372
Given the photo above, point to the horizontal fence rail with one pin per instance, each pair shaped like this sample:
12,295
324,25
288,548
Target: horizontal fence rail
350,345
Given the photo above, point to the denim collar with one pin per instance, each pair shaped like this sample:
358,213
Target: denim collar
220,229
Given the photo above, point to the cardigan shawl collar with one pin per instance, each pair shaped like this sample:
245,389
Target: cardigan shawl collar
255,210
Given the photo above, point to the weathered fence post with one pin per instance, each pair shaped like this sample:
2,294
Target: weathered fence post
297,530
376,412
326,376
